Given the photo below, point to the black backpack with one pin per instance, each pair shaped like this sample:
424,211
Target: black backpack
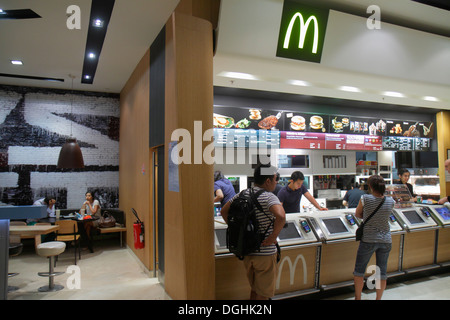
243,232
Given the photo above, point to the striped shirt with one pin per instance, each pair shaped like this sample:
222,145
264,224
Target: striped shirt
377,230
265,219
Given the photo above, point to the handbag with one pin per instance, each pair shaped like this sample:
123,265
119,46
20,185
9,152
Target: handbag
360,231
106,220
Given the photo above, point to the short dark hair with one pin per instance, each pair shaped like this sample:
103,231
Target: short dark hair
263,172
297,175
376,183
402,171
218,175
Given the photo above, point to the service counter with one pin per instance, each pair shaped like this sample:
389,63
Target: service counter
297,269
419,243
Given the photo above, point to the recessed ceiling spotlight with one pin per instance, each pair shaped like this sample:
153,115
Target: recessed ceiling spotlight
299,83
98,23
91,55
17,62
238,75
349,89
393,94
87,77
428,98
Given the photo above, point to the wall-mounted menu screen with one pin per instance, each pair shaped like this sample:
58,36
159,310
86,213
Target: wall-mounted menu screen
293,161
254,127
444,213
413,217
289,231
334,225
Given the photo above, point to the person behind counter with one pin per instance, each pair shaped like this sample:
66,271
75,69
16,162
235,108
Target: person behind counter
261,267
404,175
223,189
447,167
291,195
376,237
92,208
352,197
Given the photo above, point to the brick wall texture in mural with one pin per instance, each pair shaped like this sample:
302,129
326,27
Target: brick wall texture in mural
34,124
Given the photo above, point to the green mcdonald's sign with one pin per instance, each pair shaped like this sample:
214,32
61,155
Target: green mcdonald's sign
302,32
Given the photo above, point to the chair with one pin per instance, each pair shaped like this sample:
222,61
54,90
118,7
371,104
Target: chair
15,248
50,250
68,232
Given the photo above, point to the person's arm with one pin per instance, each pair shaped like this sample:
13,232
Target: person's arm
314,202
280,219
359,210
219,195
224,211
443,200
93,208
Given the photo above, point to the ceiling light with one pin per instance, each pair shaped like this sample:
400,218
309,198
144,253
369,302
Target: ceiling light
17,62
91,55
87,76
238,75
393,94
428,98
98,23
299,83
349,89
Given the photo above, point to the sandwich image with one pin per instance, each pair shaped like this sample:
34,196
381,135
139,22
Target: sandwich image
316,122
298,123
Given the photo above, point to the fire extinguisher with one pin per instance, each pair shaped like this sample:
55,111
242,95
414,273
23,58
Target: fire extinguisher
138,232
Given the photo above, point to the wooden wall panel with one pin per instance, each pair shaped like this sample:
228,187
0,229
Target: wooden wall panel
134,162
443,134
189,225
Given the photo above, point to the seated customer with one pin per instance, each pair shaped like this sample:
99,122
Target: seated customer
92,208
50,203
352,197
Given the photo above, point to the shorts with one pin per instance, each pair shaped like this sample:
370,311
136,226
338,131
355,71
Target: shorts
261,274
365,252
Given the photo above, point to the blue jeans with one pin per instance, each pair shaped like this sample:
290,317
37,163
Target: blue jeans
365,252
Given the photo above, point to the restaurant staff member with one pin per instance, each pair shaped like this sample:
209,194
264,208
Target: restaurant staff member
404,174
291,194
447,167
223,189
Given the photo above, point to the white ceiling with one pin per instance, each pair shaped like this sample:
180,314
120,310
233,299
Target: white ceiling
49,49
248,32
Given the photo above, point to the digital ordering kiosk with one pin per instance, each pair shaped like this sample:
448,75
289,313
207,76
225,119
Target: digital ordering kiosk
442,216
419,242
297,268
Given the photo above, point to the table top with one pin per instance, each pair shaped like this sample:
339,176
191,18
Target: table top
32,230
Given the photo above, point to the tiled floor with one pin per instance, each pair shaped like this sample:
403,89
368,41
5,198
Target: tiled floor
109,273
112,273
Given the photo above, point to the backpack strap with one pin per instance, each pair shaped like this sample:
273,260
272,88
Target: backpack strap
254,197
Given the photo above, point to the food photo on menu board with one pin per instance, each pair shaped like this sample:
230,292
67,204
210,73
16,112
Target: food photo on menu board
413,129
247,118
306,122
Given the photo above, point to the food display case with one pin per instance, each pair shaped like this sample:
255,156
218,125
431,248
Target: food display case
419,242
297,269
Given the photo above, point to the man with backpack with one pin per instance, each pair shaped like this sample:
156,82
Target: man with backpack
261,263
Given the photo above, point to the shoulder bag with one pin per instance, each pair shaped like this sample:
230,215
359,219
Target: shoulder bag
360,230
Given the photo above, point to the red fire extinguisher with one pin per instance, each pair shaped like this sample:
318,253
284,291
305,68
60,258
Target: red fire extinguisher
138,232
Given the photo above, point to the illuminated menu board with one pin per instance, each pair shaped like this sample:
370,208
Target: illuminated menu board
255,127
329,141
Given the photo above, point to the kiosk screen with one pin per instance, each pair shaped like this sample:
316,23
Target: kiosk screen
289,232
222,237
335,225
444,213
413,217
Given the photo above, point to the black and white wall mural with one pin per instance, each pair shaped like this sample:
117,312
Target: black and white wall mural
34,124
